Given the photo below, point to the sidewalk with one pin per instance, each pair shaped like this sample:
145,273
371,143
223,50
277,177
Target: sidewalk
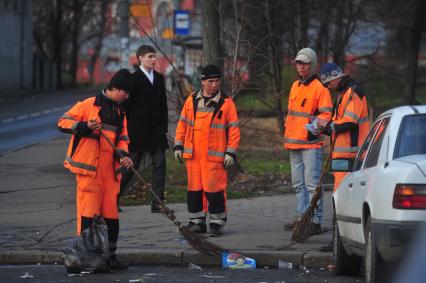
37,216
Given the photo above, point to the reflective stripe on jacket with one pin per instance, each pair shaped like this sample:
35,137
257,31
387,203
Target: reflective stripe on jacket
306,101
351,110
224,131
83,151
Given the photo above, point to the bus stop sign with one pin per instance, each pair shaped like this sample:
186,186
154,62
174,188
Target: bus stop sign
181,22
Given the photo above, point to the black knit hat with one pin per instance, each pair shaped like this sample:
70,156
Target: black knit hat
121,80
210,72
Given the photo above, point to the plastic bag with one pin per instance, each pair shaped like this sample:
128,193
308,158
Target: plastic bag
89,251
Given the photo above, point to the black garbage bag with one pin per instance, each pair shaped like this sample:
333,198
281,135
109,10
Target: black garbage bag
90,251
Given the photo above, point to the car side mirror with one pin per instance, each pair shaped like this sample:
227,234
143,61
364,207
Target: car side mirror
342,165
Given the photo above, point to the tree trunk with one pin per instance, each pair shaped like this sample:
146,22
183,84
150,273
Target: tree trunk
212,49
99,41
74,43
415,36
57,43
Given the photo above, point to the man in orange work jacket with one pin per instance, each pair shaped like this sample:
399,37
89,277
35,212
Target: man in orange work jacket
207,136
350,124
309,101
93,160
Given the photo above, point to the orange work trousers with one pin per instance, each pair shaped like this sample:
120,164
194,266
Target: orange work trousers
205,178
98,195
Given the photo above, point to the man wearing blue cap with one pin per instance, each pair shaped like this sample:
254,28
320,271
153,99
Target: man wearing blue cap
349,125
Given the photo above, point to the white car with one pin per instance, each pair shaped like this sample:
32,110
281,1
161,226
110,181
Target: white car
382,202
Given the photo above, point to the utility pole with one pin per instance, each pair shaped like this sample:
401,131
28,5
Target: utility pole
123,12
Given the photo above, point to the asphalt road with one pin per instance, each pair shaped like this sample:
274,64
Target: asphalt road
31,119
57,273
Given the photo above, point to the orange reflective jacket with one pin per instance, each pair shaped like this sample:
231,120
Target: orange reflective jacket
83,151
306,101
350,123
224,132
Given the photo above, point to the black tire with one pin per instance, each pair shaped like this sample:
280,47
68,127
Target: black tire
345,264
373,261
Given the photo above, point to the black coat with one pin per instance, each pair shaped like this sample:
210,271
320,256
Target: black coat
147,114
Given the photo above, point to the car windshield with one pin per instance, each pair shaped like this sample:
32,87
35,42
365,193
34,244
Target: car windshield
412,136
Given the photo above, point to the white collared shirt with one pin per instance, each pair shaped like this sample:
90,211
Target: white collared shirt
149,75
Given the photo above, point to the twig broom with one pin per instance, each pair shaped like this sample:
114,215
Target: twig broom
194,240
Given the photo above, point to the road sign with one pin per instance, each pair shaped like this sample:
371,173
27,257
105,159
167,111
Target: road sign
181,22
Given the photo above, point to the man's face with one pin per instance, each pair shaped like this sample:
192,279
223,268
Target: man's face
211,86
332,85
303,68
148,60
119,95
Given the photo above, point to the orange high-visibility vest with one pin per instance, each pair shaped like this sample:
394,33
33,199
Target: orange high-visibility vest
351,109
224,132
83,152
306,101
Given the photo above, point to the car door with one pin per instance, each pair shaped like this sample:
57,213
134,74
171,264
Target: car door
365,178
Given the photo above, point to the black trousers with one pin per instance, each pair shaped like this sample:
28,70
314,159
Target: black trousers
158,171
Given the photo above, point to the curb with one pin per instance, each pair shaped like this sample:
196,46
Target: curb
172,257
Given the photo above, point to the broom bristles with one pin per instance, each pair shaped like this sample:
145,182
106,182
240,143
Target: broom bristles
302,230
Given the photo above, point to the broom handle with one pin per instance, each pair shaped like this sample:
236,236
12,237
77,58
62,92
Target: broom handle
327,162
156,197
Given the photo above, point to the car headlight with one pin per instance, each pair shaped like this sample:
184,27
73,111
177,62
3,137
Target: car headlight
409,196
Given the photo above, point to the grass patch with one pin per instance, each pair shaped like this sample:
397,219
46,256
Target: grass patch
261,168
257,167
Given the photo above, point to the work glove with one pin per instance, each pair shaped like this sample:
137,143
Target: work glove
178,155
229,161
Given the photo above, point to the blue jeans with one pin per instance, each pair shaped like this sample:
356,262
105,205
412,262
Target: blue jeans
305,174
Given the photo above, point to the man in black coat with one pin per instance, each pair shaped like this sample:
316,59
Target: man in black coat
147,118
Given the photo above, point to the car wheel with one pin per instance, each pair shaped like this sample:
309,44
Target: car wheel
345,264
373,261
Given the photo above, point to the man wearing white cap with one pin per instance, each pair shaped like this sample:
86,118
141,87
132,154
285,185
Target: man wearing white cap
309,101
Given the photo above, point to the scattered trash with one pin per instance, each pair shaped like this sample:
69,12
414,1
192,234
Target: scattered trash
330,267
284,265
237,261
136,280
27,275
151,274
74,274
212,276
193,266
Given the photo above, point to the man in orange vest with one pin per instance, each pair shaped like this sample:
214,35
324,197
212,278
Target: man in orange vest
93,160
350,124
207,136
309,102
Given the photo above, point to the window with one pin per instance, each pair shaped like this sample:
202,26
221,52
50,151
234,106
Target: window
412,136
373,154
363,151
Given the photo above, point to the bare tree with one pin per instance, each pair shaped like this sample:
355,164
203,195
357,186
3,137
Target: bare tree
414,40
212,48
